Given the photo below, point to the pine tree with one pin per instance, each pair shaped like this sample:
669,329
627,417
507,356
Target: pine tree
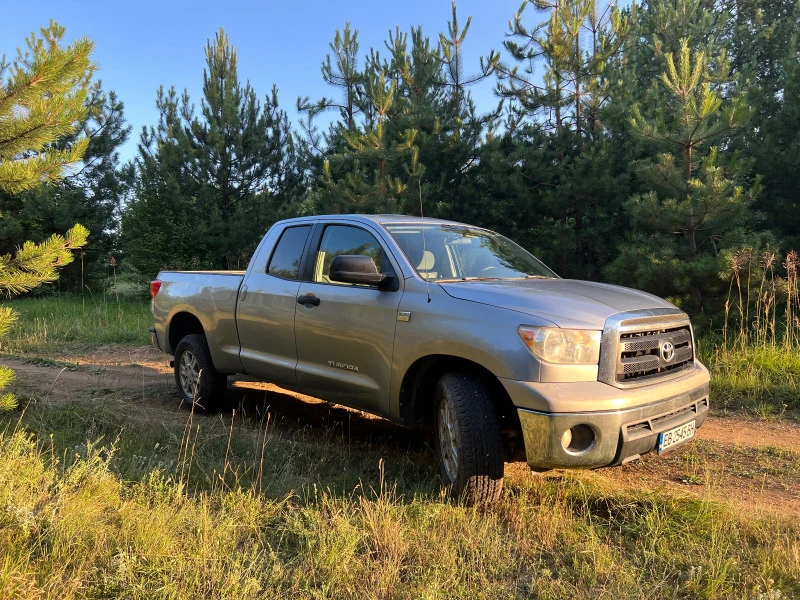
237,151
573,44
343,76
558,86
765,54
42,100
372,185
697,204
414,134
210,184
161,225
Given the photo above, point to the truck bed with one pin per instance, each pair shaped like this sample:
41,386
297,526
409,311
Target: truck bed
209,296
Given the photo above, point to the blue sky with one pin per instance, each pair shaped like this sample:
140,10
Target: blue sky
141,44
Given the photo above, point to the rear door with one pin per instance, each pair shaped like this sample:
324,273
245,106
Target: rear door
266,311
345,332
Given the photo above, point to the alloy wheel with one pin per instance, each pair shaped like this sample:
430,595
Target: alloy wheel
448,439
189,371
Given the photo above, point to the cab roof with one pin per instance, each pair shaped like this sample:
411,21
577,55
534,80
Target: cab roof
380,219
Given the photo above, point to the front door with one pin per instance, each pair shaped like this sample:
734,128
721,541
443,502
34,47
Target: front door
345,332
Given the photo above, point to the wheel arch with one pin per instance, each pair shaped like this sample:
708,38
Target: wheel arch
417,390
180,325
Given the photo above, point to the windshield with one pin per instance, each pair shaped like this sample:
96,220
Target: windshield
458,252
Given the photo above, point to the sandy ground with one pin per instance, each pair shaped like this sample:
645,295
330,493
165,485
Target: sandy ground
752,464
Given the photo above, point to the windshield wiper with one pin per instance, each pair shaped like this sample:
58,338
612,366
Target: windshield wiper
537,277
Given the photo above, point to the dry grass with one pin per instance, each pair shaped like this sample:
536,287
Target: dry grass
755,359
229,508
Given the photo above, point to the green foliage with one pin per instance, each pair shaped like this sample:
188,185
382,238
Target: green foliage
574,43
409,133
567,198
208,186
42,98
41,102
695,203
765,51
91,194
8,401
33,265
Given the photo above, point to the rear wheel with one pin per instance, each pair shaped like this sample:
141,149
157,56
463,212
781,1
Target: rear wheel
467,439
199,385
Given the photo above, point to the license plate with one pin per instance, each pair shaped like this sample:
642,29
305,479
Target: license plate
673,437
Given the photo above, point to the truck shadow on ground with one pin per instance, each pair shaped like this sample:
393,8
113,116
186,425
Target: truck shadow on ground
313,443
291,413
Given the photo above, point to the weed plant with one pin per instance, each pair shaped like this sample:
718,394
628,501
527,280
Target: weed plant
755,359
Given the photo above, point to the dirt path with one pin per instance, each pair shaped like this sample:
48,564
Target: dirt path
741,431
752,464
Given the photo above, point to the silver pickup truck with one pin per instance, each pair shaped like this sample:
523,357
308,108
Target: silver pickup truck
438,324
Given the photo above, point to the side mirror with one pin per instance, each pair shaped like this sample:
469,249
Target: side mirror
356,268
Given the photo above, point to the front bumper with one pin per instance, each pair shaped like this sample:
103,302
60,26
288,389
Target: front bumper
618,434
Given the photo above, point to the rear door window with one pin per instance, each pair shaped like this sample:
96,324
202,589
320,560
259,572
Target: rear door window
285,260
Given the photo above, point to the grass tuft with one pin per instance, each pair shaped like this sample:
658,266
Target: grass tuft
230,506
760,379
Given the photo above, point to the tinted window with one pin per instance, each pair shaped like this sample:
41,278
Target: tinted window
340,240
285,261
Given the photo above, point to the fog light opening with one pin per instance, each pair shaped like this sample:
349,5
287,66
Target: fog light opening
578,439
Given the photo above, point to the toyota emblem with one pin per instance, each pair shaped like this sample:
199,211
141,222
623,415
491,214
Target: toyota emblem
667,351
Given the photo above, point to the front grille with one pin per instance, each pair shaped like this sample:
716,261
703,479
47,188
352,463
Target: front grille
652,353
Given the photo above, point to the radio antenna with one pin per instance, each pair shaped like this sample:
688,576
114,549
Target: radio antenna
424,249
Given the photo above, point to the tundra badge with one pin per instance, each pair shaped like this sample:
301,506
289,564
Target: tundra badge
339,365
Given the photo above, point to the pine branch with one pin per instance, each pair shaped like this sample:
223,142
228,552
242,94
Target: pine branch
43,100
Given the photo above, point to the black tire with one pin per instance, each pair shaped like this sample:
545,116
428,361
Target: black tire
474,472
200,387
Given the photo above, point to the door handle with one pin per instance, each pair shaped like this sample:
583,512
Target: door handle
243,293
308,299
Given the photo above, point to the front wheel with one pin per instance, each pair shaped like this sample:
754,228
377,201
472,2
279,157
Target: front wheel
467,438
199,385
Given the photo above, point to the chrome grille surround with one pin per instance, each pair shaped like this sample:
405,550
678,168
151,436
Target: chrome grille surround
632,342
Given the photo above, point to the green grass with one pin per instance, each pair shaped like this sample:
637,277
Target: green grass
763,380
68,323
210,509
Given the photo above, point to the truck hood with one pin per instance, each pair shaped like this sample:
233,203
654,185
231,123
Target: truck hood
568,303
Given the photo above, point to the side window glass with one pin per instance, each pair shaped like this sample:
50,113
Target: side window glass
339,240
285,261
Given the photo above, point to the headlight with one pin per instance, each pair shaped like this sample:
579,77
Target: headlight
563,346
